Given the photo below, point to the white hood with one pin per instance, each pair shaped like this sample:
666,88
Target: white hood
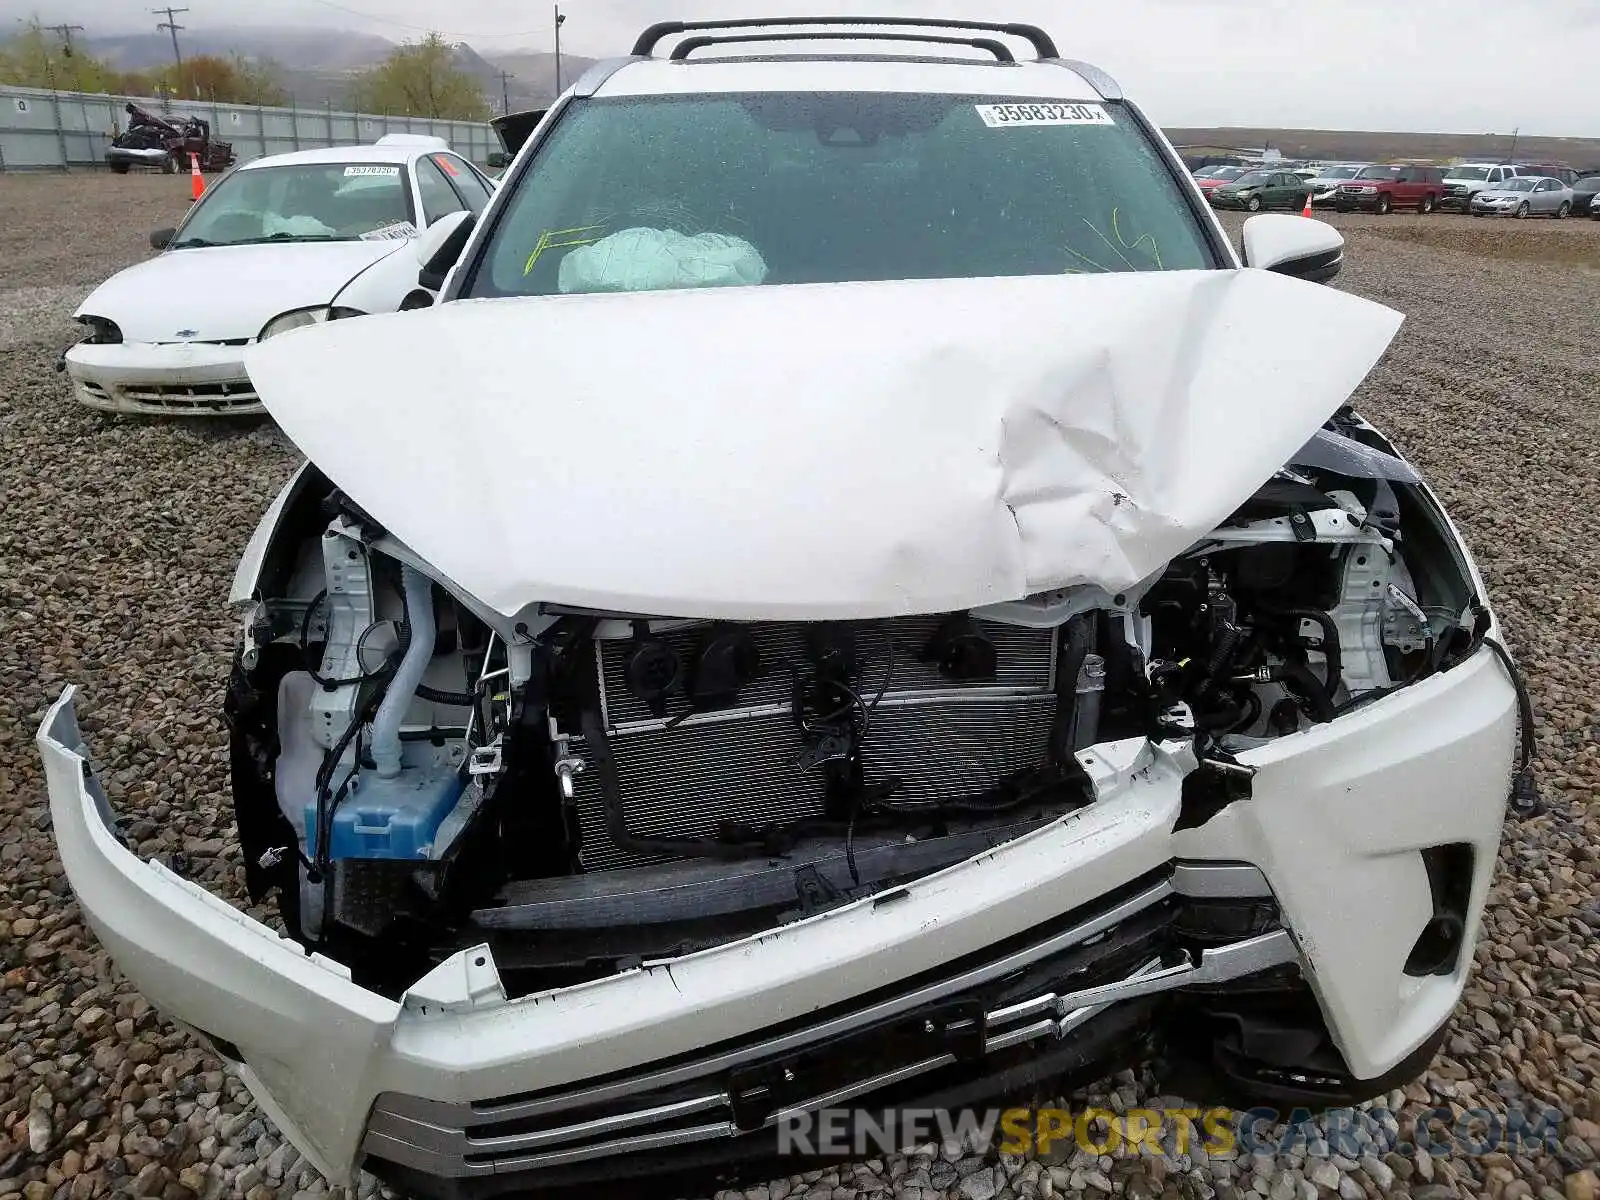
227,292
823,451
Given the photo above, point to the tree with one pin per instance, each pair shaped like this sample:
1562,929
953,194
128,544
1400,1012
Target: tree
421,79
36,58
226,81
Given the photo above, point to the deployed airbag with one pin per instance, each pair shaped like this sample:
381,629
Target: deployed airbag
822,451
653,260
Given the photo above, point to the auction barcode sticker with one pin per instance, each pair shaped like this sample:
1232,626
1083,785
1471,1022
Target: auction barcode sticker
370,170
1005,116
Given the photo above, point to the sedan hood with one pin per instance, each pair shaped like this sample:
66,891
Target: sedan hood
227,292
823,451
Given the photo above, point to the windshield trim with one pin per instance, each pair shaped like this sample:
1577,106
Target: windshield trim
471,263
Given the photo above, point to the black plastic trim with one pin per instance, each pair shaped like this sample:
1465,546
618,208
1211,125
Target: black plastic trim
653,36
688,46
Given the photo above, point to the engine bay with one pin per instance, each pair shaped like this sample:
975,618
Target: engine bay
587,790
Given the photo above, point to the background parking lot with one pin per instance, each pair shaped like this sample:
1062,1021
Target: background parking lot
118,539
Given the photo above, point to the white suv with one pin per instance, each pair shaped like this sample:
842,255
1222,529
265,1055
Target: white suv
817,617
1463,181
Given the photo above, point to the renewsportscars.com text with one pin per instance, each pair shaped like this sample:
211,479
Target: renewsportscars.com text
1220,1132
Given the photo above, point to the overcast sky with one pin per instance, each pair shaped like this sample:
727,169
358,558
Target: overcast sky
1449,66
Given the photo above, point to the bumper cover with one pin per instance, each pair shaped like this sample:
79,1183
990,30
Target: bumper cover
163,379
1336,821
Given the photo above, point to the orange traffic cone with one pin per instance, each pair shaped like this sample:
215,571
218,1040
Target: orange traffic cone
197,181
1306,212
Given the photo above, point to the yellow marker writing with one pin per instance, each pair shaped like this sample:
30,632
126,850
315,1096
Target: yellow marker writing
559,239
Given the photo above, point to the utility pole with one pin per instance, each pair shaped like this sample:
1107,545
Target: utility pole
65,32
171,26
560,21
505,92
1512,157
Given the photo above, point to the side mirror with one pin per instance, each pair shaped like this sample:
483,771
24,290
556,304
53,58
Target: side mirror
1304,247
440,245
162,238
498,160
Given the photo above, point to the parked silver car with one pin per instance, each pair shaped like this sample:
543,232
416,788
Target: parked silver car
1523,197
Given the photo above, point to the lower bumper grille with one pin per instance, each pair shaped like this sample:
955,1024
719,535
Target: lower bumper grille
975,1020
236,396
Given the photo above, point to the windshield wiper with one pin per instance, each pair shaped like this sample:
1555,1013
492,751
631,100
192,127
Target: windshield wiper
295,237
193,243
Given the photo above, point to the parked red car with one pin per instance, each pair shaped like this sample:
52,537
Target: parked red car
1384,188
1214,177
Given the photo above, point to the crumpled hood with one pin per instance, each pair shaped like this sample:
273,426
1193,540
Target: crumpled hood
227,292
822,451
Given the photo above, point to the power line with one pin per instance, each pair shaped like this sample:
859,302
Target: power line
65,32
171,26
460,33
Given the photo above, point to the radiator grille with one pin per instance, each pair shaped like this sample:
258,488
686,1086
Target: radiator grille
685,781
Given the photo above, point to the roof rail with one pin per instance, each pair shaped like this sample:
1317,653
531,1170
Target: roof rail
688,46
652,37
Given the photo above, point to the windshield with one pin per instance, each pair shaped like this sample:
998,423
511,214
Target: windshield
1230,173
1378,173
1206,172
1589,183
1337,173
1521,184
1467,172
314,203
1252,179
680,191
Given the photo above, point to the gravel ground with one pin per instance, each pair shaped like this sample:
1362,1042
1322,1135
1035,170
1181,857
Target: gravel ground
117,544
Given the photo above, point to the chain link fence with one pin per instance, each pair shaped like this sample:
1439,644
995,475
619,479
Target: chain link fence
42,130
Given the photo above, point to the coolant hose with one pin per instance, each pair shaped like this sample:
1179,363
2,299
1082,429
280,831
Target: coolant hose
418,590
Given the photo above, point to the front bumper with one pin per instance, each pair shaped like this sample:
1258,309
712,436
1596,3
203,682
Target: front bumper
1493,210
148,157
163,378
455,1081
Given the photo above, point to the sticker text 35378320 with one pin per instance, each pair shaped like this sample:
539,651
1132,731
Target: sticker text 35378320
1006,116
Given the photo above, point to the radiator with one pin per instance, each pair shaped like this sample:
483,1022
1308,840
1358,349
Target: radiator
942,740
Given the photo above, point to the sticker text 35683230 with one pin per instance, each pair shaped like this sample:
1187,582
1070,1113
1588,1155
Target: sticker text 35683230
1007,116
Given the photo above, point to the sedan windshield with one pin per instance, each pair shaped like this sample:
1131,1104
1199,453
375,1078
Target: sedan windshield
321,202
1251,179
1520,184
681,191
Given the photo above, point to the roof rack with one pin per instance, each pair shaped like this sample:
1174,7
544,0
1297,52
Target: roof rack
652,37
688,46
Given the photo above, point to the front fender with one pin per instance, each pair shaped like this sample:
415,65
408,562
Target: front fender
247,575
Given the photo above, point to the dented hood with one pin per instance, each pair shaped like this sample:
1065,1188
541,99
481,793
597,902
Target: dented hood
821,451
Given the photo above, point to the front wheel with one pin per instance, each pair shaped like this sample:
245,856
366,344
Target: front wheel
1384,204
119,168
1253,204
1522,211
169,165
1561,213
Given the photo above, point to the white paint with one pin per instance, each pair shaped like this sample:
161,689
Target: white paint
821,451
1272,239
987,80
227,292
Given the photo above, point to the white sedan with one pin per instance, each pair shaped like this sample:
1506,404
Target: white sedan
281,242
